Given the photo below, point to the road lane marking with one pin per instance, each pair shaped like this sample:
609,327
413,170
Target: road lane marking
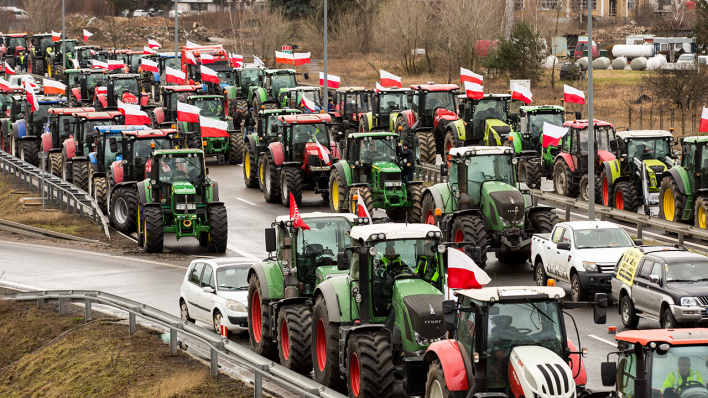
245,201
243,253
603,340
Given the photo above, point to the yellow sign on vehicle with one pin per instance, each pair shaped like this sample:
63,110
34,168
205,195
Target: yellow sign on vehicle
628,265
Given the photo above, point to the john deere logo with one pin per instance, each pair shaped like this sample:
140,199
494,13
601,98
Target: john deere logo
432,311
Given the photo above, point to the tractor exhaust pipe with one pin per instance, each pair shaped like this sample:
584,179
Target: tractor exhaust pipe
364,315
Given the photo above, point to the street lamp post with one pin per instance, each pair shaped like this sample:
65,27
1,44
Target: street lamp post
591,133
63,36
325,101
176,32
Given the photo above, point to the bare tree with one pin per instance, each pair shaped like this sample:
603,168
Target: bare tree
43,15
268,32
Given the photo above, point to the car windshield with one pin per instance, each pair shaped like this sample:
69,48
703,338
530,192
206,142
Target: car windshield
438,99
213,107
232,278
596,238
490,168
536,121
180,167
648,148
320,244
121,85
281,81
304,133
378,150
687,362
519,324
603,134
686,57
393,101
687,272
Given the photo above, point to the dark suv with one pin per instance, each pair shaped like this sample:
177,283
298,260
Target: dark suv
662,283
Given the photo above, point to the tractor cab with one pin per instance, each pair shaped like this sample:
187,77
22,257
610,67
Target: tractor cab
487,120
211,106
40,46
266,119
531,121
293,98
351,103
121,86
178,181
276,81
218,143
684,186
387,102
85,54
54,59
248,78
81,84
433,100
301,134
107,148
170,96
84,131
136,148
13,45
58,129
36,121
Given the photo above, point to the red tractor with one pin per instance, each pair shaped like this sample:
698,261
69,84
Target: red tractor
13,45
166,115
122,86
59,131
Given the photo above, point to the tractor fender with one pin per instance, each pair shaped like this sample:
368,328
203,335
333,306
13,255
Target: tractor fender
19,129
276,151
142,195
103,100
441,115
567,159
515,138
536,209
613,166
582,377
120,185
326,290
679,174
458,127
117,169
437,196
215,192
450,357
159,115
605,156
409,116
77,93
270,276
70,146
344,172
92,158
367,119
252,144
46,142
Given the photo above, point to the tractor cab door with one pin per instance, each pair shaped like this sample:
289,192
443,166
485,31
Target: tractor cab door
349,105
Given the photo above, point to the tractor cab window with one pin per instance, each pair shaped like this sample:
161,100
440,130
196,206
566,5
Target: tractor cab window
307,133
350,103
85,53
465,328
319,246
90,125
393,101
185,167
135,61
249,77
123,58
313,96
212,107
270,119
172,62
103,57
281,81
70,46
363,102
122,85
176,97
17,42
94,80
74,80
682,368
603,136
110,156
648,148
45,42
627,372
224,76
489,109
520,324
537,120
488,168
439,99
380,150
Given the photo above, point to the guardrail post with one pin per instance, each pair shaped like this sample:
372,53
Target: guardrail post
62,306
215,358
680,238
87,308
567,212
258,381
131,323
173,339
639,229
40,303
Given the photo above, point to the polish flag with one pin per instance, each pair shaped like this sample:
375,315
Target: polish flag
4,84
25,80
212,127
703,128
236,60
322,152
187,113
207,58
389,80
148,50
31,97
298,222
56,36
361,209
379,87
87,34
467,75
283,58
301,58
552,134
174,76
474,90
149,66
463,273
258,61
53,87
191,44
208,75
8,69
133,114
309,105
521,93
114,64
573,95
190,58
332,80
153,44
96,64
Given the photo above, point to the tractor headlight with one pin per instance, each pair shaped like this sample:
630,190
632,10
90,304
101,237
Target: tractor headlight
191,206
430,234
389,184
590,266
235,306
420,340
382,236
373,251
442,248
689,301
181,206
504,222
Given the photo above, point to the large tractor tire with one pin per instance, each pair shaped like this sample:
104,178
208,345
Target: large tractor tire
450,142
325,347
11,63
470,228
29,152
426,143
98,106
59,73
701,212
543,221
428,209
218,229
258,320
55,165
153,229
436,386
242,104
530,171
366,196
124,201
80,174
100,193
563,180
295,337
271,105
583,188
598,189
671,200
271,183
370,371
627,196
606,189
250,167
291,180
416,197
38,67
338,193
237,147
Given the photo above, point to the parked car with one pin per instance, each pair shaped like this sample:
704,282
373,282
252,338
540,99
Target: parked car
582,253
215,291
668,284
17,12
582,46
688,59
140,13
572,71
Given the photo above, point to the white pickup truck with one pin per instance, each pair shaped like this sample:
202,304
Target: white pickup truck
581,253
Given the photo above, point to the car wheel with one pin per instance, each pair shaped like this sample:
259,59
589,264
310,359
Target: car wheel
184,311
540,275
629,317
577,291
667,320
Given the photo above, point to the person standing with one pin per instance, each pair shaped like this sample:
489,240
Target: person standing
249,121
408,158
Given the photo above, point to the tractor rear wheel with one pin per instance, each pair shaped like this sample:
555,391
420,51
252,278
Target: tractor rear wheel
366,197
627,196
671,200
543,221
563,180
584,192
250,167
701,211
59,73
29,151
55,163
261,344
426,143
606,190
218,228
598,189
237,147
271,106
98,106
370,368
436,386
80,174
450,142
291,180
100,193
470,228
124,201
325,347
530,170
295,337
153,230
428,209
242,104
271,183
38,67
416,198
338,193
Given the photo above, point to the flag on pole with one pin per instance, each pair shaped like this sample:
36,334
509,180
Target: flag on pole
191,44
463,273
703,128
309,105
332,80
474,90
389,80
298,222
53,87
573,95
30,95
149,66
467,75
87,34
212,127
236,60
323,155
552,134
174,76
8,69
4,84
301,58
148,50
114,64
133,114
208,75
283,58
96,64
207,58
521,93
154,44
258,61
361,209
56,36
379,87
190,58
187,113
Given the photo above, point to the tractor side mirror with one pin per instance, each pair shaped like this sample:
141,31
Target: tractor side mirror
4,108
578,115
613,146
608,372
416,142
443,170
563,246
274,128
343,144
685,150
342,261
270,240
461,109
450,315
600,309
113,144
307,76
638,242
66,125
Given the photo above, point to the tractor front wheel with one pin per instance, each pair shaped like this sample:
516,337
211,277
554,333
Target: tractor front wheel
218,228
261,344
436,386
426,144
627,196
291,180
29,152
701,211
295,337
370,368
428,209
55,164
531,172
365,194
470,228
153,230
38,67
671,200
237,146
80,174
338,193
449,143
271,183
325,347
543,221
100,193
415,195
563,180
250,167
124,201
606,189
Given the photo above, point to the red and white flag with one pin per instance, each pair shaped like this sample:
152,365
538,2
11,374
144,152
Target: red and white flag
208,75
30,95
133,115
379,87
148,50
149,66
213,128
298,222
236,60
361,209
474,90
467,75
703,127
56,36
187,113
323,155
8,69
87,34
174,76
332,80
191,44
463,273
207,58
53,87
26,80
301,58
552,134
309,105
190,58
573,95
4,84
96,64
521,93
283,58
114,64
154,44
389,80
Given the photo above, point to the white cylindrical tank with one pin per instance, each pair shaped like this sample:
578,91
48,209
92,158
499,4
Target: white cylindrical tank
584,62
599,63
549,61
653,63
619,63
638,63
633,50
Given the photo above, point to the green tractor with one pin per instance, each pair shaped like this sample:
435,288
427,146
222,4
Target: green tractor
40,45
246,79
371,169
632,180
276,82
387,102
178,198
683,195
292,98
54,60
280,288
225,145
483,202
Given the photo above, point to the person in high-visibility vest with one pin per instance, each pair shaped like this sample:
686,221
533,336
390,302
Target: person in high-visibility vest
427,265
678,379
392,262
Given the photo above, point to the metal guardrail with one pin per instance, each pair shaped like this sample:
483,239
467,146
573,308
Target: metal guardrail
62,194
640,220
218,345
429,173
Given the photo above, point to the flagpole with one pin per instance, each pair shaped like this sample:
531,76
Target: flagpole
63,36
591,133
325,102
176,33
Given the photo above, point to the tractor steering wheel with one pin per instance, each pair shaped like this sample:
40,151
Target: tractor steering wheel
690,384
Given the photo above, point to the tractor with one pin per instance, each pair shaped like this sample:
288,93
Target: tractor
256,143
179,198
280,288
246,79
371,170
218,61
25,127
124,87
55,133
85,56
433,108
276,82
81,84
13,45
153,81
511,342
651,363
222,145
136,148
632,180
483,202
54,60
7,95
38,54
683,194
568,163
293,161
374,324
292,98
166,115
350,105
386,102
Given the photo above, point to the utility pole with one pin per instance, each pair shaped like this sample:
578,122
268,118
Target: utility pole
176,33
324,89
63,37
591,132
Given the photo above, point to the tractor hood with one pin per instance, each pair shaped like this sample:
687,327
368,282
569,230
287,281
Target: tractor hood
539,372
498,126
386,167
183,188
508,202
605,156
129,98
423,306
654,168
